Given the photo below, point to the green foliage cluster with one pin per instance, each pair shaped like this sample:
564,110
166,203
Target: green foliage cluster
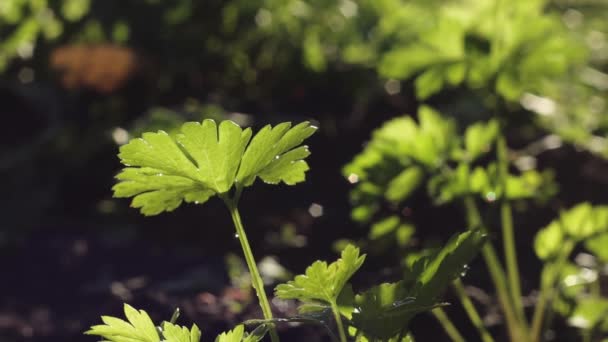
27,20
403,157
578,295
509,57
207,159
514,56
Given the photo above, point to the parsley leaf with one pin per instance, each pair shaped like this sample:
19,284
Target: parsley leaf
139,327
385,310
176,333
321,281
238,334
206,159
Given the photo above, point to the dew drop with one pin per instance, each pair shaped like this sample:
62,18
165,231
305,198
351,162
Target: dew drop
160,174
236,235
464,271
491,196
196,202
277,157
353,178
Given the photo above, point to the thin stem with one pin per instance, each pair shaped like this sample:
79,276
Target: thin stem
587,335
471,311
508,232
496,270
596,287
256,279
550,272
339,324
447,325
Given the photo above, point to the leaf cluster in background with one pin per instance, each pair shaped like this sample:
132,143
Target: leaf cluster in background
576,298
403,157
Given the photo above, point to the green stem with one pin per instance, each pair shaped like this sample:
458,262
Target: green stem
587,335
256,279
496,270
339,324
471,311
447,325
551,273
508,232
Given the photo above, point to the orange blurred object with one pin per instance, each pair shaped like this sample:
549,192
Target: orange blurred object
104,67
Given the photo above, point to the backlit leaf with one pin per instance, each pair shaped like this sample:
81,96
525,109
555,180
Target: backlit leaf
138,328
205,159
321,281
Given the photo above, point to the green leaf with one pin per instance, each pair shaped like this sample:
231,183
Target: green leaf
584,221
598,246
404,184
436,272
479,137
139,327
589,312
548,241
204,160
234,335
265,155
176,333
321,281
429,83
451,184
238,334
384,310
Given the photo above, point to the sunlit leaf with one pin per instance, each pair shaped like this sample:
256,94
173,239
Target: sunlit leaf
205,159
429,83
479,137
138,328
404,184
598,245
548,241
321,281
239,334
176,333
589,312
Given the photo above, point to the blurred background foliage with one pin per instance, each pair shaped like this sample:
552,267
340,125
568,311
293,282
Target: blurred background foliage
80,77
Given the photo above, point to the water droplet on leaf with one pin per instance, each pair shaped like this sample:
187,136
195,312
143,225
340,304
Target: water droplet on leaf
491,196
464,270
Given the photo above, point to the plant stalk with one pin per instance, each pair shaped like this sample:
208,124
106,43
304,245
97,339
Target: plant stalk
471,311
339,324
496,271
256,279
548,289
508,232
447,325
